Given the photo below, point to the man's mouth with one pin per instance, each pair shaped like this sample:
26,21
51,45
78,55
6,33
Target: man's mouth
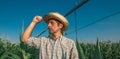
50,29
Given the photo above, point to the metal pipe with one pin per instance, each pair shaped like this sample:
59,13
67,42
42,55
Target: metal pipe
75,8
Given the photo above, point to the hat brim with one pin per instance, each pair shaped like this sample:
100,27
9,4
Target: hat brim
58,17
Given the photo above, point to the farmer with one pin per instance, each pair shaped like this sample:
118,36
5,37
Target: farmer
56,46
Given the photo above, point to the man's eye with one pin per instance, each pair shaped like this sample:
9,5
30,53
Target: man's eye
52,23
48,22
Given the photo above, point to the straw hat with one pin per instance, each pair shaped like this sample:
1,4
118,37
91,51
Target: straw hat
57,16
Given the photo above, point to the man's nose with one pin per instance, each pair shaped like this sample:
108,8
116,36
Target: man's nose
49,24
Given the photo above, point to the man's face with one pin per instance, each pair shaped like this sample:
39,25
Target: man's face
54,26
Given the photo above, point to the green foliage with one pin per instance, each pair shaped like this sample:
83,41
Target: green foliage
100,50
80,50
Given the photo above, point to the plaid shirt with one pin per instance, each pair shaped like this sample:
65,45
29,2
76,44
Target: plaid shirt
62,48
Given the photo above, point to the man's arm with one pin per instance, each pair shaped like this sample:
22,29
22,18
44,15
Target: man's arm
30,28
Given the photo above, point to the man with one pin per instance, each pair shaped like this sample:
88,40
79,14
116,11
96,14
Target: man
56,46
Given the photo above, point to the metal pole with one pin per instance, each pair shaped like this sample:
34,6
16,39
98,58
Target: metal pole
76,22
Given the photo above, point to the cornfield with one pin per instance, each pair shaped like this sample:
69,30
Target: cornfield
99,50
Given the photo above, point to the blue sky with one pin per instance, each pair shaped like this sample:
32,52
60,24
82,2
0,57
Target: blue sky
14,12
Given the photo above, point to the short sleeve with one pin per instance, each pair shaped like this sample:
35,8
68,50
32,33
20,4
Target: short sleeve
33,41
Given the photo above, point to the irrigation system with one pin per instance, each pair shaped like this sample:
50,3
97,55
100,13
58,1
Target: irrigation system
69,12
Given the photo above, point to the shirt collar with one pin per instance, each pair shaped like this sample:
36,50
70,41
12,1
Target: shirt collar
60,38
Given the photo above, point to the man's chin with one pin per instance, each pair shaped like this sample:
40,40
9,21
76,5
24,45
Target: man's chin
51,32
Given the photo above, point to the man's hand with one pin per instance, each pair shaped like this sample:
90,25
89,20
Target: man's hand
30,28
37,19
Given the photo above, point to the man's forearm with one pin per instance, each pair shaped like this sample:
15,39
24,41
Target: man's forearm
28,31
30,28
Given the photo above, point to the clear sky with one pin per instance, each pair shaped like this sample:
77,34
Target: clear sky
14,12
